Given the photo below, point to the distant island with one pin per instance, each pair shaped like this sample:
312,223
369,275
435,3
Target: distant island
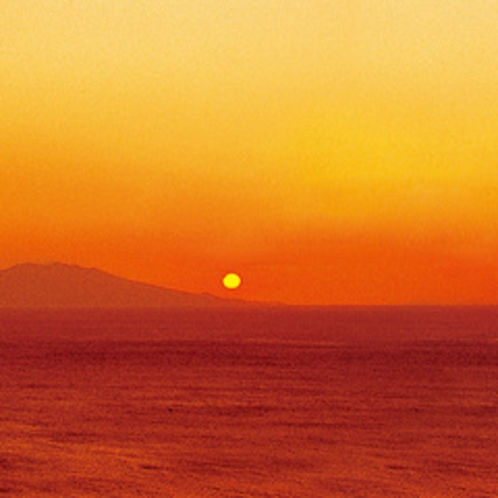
65,286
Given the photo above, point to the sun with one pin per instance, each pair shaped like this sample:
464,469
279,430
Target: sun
231,281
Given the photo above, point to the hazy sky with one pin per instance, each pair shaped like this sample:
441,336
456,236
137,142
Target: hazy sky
329,151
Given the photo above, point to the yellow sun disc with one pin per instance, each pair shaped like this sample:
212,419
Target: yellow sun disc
231,281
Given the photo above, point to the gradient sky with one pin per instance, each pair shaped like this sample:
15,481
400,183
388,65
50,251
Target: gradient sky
330,152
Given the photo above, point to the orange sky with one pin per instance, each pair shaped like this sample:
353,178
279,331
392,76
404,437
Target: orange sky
330,152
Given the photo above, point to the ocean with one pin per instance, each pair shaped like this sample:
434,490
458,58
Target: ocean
261,402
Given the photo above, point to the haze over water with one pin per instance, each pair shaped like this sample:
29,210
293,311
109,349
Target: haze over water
327,153
338,402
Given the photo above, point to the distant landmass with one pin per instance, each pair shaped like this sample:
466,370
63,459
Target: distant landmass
60,285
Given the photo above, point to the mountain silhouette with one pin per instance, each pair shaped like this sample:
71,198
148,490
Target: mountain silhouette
59,285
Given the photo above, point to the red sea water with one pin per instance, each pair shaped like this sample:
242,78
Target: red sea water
337,402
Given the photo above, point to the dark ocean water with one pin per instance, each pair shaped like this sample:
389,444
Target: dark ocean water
346,402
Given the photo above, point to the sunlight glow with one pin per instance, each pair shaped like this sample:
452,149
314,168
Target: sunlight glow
232,281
